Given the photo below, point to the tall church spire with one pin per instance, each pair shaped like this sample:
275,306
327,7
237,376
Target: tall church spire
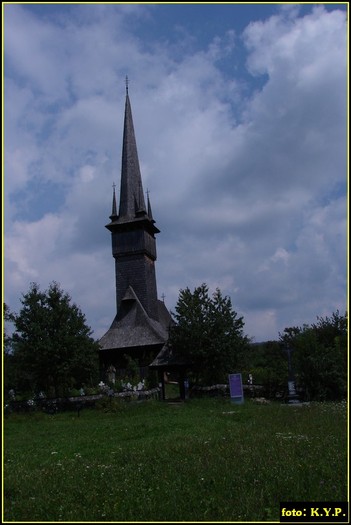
132,195
133,229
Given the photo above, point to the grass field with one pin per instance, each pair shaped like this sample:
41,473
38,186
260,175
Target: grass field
204,460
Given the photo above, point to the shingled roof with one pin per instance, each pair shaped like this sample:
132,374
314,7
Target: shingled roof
132,327
167,360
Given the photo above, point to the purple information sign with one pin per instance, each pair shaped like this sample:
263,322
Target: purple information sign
236,388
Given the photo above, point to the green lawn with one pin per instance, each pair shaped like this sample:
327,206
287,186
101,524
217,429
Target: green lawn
204,460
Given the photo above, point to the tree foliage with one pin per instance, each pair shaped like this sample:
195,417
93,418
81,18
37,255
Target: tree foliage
267,363
8,318
52,345
319,356
8,358
208,334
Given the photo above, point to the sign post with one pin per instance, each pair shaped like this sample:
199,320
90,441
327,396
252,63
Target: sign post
236,388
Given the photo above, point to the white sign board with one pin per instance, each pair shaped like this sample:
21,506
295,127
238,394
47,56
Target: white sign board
236,388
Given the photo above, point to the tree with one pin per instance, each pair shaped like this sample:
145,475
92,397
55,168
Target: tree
8,318
267,363
207,334
319,357
9,369
53,348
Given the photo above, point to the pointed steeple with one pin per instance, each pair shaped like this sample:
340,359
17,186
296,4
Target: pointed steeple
133,228
114,214
132,197
149,210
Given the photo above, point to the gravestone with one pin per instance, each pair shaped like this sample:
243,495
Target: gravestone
293,398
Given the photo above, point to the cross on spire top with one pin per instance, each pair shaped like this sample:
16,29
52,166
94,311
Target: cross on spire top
127,82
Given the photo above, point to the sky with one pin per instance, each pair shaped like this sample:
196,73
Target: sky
240,120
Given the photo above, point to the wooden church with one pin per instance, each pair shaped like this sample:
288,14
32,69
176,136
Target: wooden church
140,328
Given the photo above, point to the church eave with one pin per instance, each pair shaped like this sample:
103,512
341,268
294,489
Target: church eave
127,223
